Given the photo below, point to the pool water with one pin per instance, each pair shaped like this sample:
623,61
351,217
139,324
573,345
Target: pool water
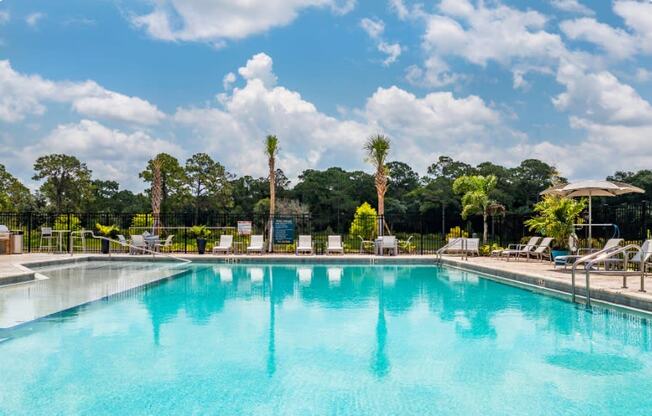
329,340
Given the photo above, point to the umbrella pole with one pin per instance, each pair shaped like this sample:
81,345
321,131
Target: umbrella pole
590,223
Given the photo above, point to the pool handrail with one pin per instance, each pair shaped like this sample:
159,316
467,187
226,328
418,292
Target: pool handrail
592,259
143,249
440,252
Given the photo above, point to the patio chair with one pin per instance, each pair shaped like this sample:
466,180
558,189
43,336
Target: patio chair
334,244
388,243
225,246
166,246
47,239
642,257
138,244
304,245
518,250
256,244
124,244
543,250
5,238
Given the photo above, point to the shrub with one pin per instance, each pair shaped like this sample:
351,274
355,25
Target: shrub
199,231
486,249
556,217
456,232
142,221
61,223
364,222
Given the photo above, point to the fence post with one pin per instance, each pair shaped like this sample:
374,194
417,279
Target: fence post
421,233
29,233
644,220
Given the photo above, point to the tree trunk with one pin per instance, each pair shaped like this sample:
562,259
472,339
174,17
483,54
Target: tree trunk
443,219
272,202
486,228
157,193
381,213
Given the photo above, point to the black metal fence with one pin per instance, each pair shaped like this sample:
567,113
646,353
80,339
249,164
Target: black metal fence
418,234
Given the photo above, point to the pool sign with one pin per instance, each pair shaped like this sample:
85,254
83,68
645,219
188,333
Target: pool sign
244,227
283,231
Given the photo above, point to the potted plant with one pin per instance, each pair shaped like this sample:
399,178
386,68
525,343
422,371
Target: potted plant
555,218
108,231
200,233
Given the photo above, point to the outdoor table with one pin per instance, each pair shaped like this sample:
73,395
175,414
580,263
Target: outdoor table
60,238
152,241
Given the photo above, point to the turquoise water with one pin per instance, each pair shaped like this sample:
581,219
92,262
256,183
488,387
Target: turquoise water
329,340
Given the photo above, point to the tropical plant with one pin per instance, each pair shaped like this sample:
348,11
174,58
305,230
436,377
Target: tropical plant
476,197
556,216
456,232
110,231
67,222
363,224
199,231
271,151
377,148
486,249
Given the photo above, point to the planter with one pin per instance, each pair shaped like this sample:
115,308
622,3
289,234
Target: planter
201,245
106,246
556,253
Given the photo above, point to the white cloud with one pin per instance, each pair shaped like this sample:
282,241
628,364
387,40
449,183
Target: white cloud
34,18
228,80
259,67
375,29
22,95
638,16
435,73
572,6
200,20
616,42
111,154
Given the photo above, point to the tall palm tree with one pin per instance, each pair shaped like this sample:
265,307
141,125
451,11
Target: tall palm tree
377,148
476,197
271,150
157,193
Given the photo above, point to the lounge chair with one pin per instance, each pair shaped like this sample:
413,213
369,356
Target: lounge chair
643,256
137,245
388,243
518,250
167,244
304,245
256,244
225,246
542,251
334,244
471,246
570,259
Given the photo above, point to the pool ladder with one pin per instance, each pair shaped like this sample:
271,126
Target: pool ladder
440,252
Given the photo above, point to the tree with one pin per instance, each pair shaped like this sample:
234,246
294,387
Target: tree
14,196
476,197
208,183
449,168
156,193
556,217
247,191
402,179
363,224
67,181
173,180
271,151
530,178
377,148
437,192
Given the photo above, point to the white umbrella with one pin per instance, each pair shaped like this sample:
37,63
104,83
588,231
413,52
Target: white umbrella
590,189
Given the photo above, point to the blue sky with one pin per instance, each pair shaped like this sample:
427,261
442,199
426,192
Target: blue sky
114,82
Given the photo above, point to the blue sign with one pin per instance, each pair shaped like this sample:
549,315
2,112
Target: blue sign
283,230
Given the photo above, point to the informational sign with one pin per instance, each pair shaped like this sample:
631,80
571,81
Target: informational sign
283,231
244,227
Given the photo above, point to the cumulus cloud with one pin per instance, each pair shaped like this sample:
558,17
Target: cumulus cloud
110,153
259,67
572,6
375,29
616,42
219,20
637,16
22,95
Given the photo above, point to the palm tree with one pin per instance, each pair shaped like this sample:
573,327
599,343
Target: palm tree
271,150
377,148
157,193
476,197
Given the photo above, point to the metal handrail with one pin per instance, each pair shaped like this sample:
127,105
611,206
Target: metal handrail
143,249
592,259
440,252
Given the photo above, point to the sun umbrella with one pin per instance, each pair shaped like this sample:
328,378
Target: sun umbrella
590,189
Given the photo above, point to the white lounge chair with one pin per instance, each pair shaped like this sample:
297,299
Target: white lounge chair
225,246
388,243
570,259
304,245
256,244
542,251
334,244
517,250
643,256
5,238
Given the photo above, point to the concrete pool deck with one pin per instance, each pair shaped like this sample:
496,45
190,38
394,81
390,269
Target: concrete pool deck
26,295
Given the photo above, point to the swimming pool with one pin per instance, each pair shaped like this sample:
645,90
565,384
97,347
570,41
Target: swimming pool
329,340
